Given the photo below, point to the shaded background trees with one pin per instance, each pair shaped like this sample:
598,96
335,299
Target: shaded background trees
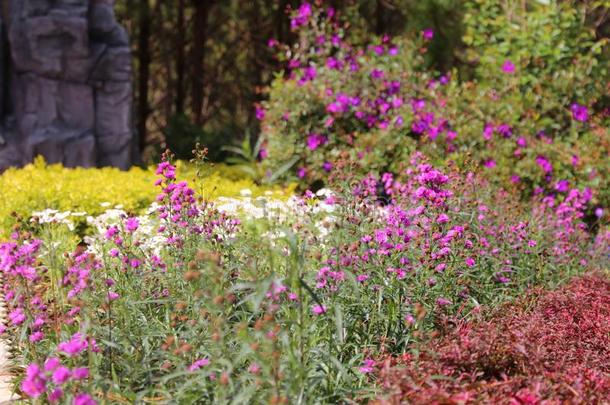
200,65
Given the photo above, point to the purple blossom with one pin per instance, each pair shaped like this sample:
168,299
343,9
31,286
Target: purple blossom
508,67
579,112
84,399
132,224
489,163
302,15
377,74
80,373
428,34
259,112
61,375
562,186
315,140
367,366
198,364
76,345
318,309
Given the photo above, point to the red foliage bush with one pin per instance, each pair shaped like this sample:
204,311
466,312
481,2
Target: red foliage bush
547,349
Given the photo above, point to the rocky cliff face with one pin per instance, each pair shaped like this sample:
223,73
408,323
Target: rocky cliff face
65,84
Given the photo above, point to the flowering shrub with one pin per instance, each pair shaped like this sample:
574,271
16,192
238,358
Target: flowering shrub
274,307
533,116
553,351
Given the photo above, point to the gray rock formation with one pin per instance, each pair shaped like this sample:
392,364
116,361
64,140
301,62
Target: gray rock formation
65,84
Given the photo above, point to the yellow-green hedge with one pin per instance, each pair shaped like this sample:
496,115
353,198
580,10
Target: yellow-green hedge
39,186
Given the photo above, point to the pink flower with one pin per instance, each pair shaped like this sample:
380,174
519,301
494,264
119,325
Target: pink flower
84,399
76,345
367,366
111,231
36,337
260,112
34,383
508,67
198,364
579,112
80,373
132,224
470,261
442,219
443,301
61,375
489,163
318,309
428,34
51,364
254,368
55,395
16,317
112,296
315,140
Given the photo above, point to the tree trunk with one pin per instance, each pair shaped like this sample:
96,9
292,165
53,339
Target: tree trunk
379,28
200,22
180,58
143,71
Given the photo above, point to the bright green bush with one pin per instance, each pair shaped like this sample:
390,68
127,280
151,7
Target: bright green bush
40,186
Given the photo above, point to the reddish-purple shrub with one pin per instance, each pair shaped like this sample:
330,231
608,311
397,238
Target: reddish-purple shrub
546,350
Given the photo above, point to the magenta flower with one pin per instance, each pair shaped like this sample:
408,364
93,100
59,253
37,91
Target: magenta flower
61,375
327,166
377,74
544,164
443,301
16,317
367,366
55,395
198,364
302,15
489,163
470,261
259,112
508,67
132,224
442,219
112,296
84,399
318,309
80,373
562,186
76,345
428,34
579,112
111,231
488,132
51,364
315,140
34,383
